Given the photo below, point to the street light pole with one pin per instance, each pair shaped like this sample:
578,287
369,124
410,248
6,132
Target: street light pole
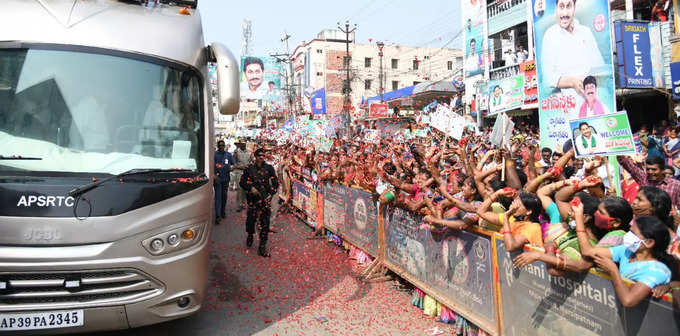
380,76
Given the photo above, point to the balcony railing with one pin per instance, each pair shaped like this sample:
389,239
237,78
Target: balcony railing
504,72
500,6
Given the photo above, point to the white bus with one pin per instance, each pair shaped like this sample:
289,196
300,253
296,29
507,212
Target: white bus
106,162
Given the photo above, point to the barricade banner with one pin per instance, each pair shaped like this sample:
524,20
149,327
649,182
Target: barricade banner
334,207
455,267
353,215
361,225
536,303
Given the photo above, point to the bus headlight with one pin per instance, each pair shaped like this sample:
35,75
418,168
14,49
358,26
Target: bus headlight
173,240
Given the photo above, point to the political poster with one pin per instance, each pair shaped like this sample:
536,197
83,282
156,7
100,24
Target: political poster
574,63
260,78
506,94
448,122
318,101
602,135
474,37
528,69
634,55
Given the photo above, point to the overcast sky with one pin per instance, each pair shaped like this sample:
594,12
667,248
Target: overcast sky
404,22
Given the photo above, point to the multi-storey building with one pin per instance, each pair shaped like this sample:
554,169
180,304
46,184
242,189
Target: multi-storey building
323,63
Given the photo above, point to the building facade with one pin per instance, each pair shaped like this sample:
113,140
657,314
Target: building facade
322,64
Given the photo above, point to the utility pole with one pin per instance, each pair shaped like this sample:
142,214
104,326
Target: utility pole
286,59
347,61
381,75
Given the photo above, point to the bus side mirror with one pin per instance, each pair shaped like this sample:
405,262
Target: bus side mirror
228,95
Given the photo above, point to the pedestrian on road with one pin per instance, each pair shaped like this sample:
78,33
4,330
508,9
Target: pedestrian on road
242,157
260,182
223,162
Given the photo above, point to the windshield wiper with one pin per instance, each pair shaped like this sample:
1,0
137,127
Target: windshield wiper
18,157
136,171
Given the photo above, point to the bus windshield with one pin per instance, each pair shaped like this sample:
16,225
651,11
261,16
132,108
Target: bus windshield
82,112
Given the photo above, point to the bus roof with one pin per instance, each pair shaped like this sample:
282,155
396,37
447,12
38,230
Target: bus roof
159,31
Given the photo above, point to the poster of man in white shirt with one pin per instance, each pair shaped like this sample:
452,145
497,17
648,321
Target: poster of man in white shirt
573,42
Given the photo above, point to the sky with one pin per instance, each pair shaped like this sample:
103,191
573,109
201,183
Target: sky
404,22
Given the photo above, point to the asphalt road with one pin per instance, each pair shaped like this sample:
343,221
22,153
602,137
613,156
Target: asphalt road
307,287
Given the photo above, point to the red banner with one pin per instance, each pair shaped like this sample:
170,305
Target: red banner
528,68
378,111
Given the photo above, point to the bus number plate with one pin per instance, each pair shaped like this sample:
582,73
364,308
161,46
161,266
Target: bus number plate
41,320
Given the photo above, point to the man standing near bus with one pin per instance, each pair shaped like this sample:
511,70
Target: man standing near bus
259,180
223,162
242,156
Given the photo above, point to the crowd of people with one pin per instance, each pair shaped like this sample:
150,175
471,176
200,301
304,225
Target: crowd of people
565,206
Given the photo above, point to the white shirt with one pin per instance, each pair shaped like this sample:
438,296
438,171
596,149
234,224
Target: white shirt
586,150
260,93
522,56
569,54
472,63
601,172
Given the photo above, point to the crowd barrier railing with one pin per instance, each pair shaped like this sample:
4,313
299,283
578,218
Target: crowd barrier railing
472,273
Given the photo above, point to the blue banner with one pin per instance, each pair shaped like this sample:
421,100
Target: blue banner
634,55
318,101
675,79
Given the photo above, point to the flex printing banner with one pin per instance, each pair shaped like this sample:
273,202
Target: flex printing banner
361,226
536,303
603,135
456,264
634,55
474,36
574,61
506,94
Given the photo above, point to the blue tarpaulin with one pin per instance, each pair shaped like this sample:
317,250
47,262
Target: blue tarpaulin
403,92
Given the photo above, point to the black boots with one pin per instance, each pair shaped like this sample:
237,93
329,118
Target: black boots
262,252
249,240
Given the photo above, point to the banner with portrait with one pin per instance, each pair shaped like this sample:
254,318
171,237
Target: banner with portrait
602,135
261,80
574,63
474,36
506,94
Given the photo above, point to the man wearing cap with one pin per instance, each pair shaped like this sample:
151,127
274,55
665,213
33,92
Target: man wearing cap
260,182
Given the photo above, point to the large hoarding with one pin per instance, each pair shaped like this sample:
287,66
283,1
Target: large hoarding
633,49
261,79
574,62
474,35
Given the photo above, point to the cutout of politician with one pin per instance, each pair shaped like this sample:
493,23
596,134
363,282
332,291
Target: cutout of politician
569,51
592,106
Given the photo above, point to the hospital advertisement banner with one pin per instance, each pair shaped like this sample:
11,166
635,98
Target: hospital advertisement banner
634,55
574,63
602,135
261,79
474,37
506,94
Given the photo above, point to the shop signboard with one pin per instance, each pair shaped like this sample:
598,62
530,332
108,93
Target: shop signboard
675,70
634,55
506,94
528,69
573,48
602,135
456,265
378,110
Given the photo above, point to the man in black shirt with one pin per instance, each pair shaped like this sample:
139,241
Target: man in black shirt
260,183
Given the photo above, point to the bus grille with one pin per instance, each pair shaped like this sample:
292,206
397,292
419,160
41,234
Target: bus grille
20,291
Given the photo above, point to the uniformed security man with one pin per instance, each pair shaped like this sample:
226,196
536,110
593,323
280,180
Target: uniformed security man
223,162
260,183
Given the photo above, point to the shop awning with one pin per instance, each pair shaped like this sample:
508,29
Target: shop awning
438,87
392,95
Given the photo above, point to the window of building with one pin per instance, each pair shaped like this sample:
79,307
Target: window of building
346,60
449,65
395,85
319,51
395,63
367,62
319,74
427,57
367,84
415,64
416,82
